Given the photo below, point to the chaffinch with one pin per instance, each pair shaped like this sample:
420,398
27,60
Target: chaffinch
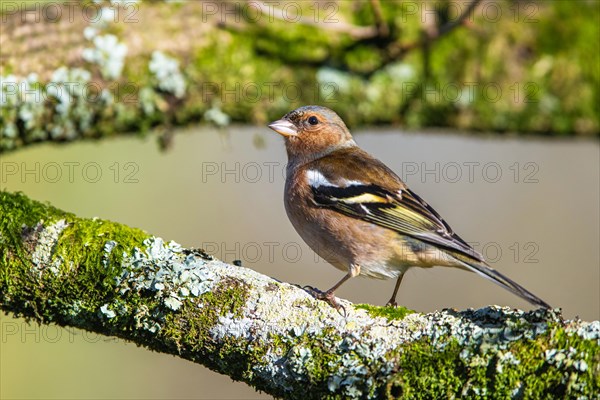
357,214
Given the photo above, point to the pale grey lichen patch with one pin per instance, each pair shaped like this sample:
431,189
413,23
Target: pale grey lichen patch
505,358
164,269
283,312
75,309
144,320
47,239
490,327
108,248
173,302
587,330
230,326
107,312
581,365
568,357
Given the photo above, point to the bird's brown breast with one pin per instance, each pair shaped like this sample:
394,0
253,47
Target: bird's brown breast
339,239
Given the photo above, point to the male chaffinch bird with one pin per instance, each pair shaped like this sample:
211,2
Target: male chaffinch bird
357,214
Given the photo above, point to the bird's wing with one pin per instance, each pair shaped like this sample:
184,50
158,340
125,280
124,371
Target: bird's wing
355,184
387,202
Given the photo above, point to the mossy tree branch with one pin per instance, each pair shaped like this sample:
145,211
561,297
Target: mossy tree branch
119,281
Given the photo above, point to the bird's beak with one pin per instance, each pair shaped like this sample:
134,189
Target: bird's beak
284,127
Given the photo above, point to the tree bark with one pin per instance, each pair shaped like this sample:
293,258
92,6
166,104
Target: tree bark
120,281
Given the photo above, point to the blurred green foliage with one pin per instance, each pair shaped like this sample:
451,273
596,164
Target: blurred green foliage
515,66
509,66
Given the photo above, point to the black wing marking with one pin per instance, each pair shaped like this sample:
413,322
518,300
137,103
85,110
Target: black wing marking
404,212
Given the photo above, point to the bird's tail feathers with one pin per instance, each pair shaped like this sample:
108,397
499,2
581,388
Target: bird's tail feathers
488,272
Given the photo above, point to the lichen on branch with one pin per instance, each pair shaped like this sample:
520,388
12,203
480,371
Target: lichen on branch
119,281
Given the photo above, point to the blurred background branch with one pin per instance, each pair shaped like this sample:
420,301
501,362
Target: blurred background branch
114,69
270,13
434,25
56,268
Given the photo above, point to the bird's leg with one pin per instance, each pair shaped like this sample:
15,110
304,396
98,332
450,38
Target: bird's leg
392,301
329,295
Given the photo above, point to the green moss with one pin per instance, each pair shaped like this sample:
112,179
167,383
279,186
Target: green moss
94,234
86,276
19,216
227,298
522,370
17,211
91,273
307,358
426,372
389,312
322,361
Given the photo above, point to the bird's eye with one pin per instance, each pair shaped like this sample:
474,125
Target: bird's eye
313,120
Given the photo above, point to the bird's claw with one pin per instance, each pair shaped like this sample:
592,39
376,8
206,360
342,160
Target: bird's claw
310,289
392,303
314,292
328,296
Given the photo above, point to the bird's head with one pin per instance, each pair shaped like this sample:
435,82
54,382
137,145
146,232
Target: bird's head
312,130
